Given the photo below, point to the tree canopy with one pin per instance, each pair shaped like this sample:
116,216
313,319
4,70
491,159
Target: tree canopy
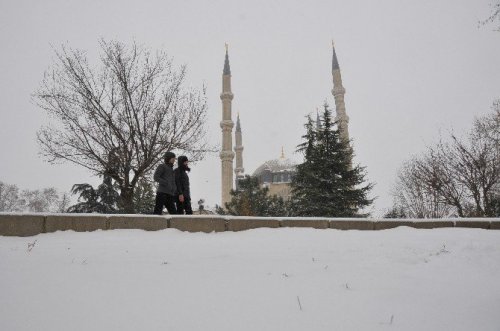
326,184
458,176
120,118
253,200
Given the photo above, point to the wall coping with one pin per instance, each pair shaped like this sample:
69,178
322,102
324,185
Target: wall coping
29,224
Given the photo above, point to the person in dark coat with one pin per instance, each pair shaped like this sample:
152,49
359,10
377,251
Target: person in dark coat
167,190
182,182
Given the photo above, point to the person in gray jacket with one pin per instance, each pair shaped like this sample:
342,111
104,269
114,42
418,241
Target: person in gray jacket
167,190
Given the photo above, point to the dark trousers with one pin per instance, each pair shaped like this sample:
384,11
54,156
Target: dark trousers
167,200
184,206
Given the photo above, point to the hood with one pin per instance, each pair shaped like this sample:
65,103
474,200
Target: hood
180,162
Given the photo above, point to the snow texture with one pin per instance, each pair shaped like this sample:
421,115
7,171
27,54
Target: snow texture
263,279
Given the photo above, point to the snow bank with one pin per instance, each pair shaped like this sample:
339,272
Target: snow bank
265,279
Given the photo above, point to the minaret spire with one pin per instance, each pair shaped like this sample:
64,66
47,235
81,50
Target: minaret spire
335,62
238,124
227,124
227,68
238,148
338,92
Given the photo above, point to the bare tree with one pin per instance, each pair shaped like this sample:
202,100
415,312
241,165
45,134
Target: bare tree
417,197
479,161
119,119
12,199
440,178
45,200
494,16
461,176
9,198
63,203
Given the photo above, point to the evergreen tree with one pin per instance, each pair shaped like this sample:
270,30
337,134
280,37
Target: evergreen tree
303,193
326,184
395,212
102,200
106,199
108,195
144,197
88,200
252,200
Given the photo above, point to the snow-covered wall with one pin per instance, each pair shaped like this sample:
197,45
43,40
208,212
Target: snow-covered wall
19,224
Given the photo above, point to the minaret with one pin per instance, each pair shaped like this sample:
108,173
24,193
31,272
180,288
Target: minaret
338,92
238,148
226,154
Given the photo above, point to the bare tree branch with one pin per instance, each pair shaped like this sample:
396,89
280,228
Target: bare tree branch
120,118
460,177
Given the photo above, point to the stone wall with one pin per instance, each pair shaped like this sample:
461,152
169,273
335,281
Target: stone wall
32,224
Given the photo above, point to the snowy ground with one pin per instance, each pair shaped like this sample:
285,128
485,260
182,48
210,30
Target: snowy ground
264,279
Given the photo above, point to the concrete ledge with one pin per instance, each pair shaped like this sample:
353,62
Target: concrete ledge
304,223
351,224
21,225
384,224
141,222
198,224
473,223
432,224
495,224
242,223
390,224
75,222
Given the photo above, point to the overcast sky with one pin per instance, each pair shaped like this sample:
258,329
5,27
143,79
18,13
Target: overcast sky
410,68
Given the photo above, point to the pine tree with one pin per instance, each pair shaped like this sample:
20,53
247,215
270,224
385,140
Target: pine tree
144,197
88,199
252,200
304,195
105,199
326,184
108,196
102,200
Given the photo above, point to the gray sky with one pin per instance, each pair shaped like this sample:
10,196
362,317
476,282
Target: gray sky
410,68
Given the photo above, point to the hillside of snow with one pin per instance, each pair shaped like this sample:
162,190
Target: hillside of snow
263,279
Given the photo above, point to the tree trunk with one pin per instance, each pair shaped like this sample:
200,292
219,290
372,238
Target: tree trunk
127,199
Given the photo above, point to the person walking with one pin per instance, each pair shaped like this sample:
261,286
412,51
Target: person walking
182,182
167,190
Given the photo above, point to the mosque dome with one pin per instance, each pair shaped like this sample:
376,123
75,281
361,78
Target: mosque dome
276,165
276,171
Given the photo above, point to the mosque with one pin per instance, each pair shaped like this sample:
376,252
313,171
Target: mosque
274,174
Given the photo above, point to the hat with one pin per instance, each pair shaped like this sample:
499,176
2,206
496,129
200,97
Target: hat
169,155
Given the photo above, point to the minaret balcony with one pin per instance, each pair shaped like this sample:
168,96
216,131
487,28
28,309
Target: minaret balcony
338,91
226,96
343,118
227,125
226,156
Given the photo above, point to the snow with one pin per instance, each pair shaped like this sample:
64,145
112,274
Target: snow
262,279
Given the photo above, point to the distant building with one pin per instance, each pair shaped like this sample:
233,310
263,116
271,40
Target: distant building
275,174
